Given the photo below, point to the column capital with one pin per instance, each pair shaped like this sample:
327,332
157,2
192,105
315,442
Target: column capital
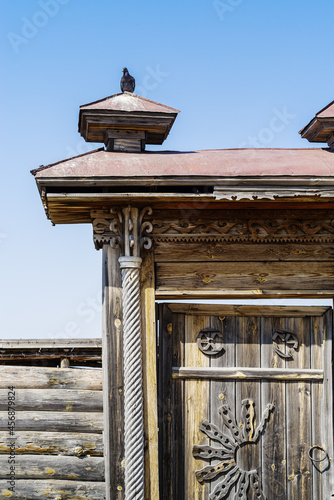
126,227
130,262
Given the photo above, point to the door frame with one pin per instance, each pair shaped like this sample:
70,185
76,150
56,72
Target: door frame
195,307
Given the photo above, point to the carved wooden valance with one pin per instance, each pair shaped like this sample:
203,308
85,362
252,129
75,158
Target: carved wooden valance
249,226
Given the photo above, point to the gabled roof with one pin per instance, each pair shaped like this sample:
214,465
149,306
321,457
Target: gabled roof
327,111
321,127
126,101
208,163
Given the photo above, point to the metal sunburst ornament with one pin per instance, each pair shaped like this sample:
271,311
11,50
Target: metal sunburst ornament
240,435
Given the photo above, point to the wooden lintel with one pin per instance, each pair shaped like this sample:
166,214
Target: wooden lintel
248,310
245,373
189,294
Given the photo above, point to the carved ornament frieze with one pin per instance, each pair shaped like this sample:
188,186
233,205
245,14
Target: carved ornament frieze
223,226
240,230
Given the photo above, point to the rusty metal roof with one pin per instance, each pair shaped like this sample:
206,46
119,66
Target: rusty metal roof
126,101
216,163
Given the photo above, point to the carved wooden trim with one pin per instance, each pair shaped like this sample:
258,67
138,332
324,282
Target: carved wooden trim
240,230
196,226
229,469
129,228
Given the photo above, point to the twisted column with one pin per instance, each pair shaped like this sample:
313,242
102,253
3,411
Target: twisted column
133,379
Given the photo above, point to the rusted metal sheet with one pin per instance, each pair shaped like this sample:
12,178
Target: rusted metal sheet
216,163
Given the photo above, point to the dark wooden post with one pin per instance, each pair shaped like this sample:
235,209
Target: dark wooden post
112,356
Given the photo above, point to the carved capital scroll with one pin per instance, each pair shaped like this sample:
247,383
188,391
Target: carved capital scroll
129,228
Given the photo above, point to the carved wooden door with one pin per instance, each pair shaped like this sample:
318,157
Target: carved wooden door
245,407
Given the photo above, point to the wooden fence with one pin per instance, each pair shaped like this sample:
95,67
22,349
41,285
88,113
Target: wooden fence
51,420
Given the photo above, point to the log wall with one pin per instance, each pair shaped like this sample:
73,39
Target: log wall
51,422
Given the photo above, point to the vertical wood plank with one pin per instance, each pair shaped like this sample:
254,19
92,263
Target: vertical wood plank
112,365
317,394
196,408
327,408
165,402
273,441
222,392
178,407
149,376
248,354
298,401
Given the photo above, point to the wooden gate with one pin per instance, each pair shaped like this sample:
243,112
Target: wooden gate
244,402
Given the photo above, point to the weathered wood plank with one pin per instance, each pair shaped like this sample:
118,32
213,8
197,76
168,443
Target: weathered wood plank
244,373
113,381
50,378
251,293
327,408
150,376
222,391
55,400
55,467
317,334
53,443
165,402
232,252
273,441
77,344
298,418
251,310
245,275
196,409
42,489
54,421
248,354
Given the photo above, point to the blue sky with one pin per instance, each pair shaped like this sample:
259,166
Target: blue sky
230,66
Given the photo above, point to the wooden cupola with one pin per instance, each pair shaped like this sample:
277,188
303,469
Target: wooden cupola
126,122
321,127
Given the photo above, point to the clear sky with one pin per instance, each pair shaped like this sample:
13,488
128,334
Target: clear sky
230,66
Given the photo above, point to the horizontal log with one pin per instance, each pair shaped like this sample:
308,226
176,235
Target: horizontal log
53,467
53,489
69,344
50,378
54,422
52,443
243,373
233,252
239,310
55,400
245,275
222,293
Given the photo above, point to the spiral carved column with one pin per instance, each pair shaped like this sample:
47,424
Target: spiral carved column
133,379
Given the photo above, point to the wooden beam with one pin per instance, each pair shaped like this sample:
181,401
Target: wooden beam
245,275
53,443
257,293
244,373
55,400
149,377
33,489
50,378
55,467
251,310
54,421
51,344
233,252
